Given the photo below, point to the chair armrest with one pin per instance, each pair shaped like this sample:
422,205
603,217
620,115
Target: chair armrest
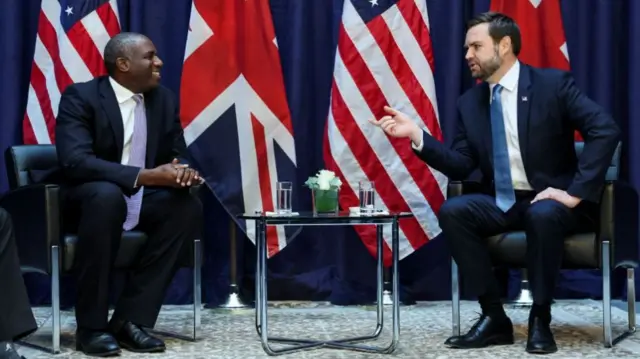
186,257
607,216
458,188
623,241
35,213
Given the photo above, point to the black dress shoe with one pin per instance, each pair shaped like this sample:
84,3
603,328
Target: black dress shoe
486,331
540,339
136,339
96,343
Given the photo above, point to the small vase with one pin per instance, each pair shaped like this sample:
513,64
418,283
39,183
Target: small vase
325,202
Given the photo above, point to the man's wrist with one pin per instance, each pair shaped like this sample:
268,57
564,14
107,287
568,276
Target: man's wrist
574,198
416,137
144,178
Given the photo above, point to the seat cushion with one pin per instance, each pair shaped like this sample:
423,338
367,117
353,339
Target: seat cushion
130,245
580,250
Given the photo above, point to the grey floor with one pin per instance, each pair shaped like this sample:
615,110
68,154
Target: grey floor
424,327
623,305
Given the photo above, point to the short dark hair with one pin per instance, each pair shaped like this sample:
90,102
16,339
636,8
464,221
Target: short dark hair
119,46
500,25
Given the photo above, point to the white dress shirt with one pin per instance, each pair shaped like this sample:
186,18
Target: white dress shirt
127,106
509,97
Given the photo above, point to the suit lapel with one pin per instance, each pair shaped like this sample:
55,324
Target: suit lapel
110,106
481,111
524,106
153,111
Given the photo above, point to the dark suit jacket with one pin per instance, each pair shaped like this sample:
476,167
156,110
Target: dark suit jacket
90,134
553,109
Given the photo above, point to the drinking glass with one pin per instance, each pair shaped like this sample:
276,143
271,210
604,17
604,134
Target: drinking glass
283,197
367,195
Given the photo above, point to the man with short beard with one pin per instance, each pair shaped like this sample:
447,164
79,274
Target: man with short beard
518,127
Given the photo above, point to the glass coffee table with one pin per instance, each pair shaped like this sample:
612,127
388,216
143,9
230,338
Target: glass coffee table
379,219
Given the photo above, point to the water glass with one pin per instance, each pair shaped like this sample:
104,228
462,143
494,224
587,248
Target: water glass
283,197
367,195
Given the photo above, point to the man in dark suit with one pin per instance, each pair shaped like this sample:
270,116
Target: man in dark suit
121,147
518,128
16,318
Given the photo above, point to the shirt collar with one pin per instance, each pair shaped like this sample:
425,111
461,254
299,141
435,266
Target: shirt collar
510,80
122,93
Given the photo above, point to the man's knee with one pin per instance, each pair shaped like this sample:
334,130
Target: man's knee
453,208
190,208
186,213
106,194
103,199
546,212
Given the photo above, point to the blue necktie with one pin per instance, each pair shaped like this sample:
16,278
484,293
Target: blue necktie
505,195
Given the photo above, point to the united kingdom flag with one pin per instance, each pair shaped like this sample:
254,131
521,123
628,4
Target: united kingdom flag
234,109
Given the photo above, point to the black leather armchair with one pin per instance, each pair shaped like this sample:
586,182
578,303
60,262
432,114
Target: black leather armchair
43,248
581,251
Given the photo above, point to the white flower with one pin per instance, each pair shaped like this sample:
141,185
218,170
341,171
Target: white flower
323,184
329,175
324,179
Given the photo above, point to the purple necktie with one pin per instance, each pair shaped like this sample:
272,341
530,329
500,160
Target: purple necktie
137,155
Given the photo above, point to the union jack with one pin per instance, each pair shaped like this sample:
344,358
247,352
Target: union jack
234,109
69,48
385,57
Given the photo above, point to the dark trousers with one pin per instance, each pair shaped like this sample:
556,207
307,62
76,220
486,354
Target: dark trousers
16,318
169,217
467,220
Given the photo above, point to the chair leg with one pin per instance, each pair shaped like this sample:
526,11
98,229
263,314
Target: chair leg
631,308
55,299
55,307
606,293
631,299
609,341
455,298
197,288
197,298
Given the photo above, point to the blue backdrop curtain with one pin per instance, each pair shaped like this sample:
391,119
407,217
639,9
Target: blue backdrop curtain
331,263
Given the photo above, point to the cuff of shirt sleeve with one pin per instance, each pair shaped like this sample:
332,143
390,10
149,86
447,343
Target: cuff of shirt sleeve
135,184
417,147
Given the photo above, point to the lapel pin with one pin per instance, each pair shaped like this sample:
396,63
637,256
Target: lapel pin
524,98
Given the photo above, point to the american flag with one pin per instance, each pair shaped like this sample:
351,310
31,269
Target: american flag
234,109
385,57
69,49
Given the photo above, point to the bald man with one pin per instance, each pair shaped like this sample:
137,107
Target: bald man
121,148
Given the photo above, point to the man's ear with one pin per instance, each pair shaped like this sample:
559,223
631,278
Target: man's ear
122,63
505,44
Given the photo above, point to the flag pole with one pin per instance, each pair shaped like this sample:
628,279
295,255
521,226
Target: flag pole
387,299
525,298
234,301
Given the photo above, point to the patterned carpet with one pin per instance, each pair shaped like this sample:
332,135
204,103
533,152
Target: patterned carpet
424,327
